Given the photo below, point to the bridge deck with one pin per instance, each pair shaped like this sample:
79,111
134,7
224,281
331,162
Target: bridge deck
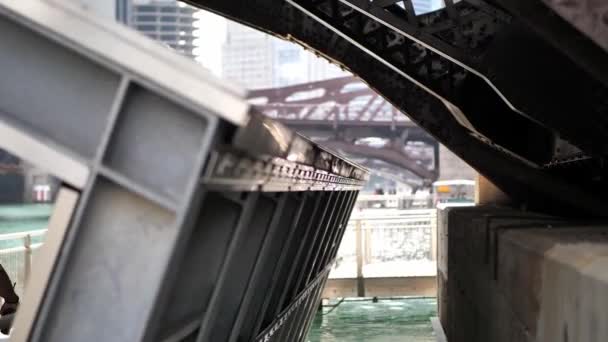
183,213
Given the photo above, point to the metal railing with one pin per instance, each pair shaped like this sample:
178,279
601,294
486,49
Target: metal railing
400,201
377,243
16,252
388,243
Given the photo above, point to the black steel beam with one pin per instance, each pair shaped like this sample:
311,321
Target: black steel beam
540,188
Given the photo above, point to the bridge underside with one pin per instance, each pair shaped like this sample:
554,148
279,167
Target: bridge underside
519,90
343,113
388,155
514,92
183,214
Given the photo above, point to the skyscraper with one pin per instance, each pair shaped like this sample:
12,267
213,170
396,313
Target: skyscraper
425,6
257,60
167,21
292,64
106,8
247,57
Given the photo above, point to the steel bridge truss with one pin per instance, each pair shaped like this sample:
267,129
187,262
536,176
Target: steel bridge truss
446,51
443,53
449,53
183,214
336,102
351,111
501,83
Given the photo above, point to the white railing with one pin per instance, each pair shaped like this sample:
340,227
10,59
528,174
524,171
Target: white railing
17,260
377,243
400,201
388,243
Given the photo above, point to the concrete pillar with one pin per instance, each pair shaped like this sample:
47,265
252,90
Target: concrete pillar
506,275
556,281
434,237
359,252
486,193
367,252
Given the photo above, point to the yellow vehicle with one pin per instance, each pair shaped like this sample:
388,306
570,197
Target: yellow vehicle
454,191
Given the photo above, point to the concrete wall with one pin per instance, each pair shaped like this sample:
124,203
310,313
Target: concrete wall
511,276
382,287
452,167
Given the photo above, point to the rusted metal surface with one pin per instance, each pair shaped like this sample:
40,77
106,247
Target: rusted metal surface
389,155
335,102
349,109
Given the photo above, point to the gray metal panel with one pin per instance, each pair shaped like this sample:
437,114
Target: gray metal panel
126,51
154,142
113,271
201,264
181,223
221,318
291,320
49,89
287,264
266,272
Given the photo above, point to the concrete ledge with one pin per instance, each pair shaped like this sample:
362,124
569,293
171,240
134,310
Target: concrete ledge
557,281
382,287
514,276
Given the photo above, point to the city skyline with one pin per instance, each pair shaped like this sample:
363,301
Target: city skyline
256,60
168,21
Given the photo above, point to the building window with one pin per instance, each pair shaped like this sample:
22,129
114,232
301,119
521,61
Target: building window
168,10
166,19
146,27
145,18
288,56
145,8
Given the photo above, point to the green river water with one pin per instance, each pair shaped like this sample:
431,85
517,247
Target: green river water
22,218
389,320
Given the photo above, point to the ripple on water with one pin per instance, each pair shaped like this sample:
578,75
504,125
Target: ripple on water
402,320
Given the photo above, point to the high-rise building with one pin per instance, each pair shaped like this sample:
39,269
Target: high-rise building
425,6
247,57
257,60
105,8
168,21
292,64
